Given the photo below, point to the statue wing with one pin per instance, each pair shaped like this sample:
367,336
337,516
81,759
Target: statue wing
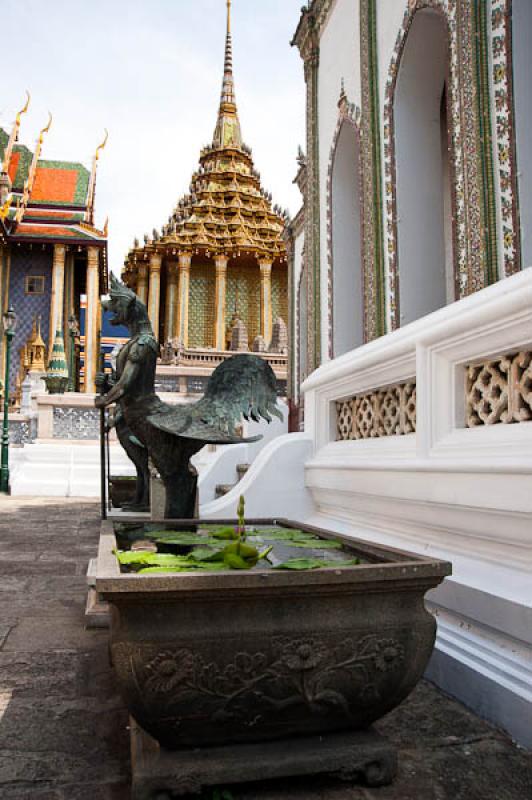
242,386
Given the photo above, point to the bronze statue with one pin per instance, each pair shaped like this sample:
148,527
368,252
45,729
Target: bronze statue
244,385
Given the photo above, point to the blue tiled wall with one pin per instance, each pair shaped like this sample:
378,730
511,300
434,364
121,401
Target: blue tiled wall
26,262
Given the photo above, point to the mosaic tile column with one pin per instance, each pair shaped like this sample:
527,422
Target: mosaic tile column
58,284
266,301
92,323
142,283
170,318
154,296
219,302
185,260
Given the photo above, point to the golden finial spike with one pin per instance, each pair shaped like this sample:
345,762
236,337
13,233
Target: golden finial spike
14,134
102,145
28,185
26,106
228,16
46,127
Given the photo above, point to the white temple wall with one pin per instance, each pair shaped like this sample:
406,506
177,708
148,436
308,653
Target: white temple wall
339,61
299,241
390,14
420,188
448,490
347,291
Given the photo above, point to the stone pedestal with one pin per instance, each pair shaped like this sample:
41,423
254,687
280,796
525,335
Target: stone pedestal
354,756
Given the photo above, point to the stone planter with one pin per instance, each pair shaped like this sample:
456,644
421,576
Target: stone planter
238,658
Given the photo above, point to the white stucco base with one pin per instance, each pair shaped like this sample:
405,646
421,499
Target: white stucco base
461,494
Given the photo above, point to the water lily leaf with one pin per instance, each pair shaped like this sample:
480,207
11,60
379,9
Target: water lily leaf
206,554
316,544
275,535
314,563
223,533
186,539
188,567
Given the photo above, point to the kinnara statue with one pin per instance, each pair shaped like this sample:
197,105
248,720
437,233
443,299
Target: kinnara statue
242,386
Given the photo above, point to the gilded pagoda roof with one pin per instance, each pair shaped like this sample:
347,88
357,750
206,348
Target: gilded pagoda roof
226,211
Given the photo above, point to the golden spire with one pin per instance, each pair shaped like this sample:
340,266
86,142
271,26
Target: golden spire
89,214
227,132
28,185
14,134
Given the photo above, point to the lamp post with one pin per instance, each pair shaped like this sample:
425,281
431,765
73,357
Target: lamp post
74,331
9,319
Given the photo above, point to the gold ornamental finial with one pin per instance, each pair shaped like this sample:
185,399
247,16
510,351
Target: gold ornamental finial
28,184
228,16
102,145
89,213
14,133
46,128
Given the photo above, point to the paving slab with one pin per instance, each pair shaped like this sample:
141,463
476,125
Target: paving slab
63,728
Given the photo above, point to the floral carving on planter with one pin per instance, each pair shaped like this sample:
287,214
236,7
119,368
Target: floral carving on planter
299,672
499,390
382,412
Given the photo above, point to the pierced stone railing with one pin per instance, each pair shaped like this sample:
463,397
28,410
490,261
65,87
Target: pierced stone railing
384,412
499,390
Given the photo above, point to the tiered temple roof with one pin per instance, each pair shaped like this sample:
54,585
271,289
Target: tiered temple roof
49,201
226,212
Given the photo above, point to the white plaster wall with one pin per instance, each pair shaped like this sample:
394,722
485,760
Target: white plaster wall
339,59
348,312
299,243
522,55
419,170
446,491
390,15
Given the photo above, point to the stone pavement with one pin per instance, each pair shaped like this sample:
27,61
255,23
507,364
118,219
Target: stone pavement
63,728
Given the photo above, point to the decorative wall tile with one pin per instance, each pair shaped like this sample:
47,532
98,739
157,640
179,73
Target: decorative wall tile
501,41
76,423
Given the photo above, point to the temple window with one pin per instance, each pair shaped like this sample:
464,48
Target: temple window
34,284
522,70
347,301
423,170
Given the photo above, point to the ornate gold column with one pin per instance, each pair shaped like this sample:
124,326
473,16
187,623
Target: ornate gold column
92,315
56,303
266,300
219,301
185,260
142,283
170,317
154,297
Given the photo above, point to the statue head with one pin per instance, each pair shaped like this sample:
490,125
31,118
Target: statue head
124,304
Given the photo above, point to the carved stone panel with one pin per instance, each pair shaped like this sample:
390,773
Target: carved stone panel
499,390
383,412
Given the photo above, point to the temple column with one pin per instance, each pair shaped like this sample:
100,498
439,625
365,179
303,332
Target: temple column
92,314
154,297
170,318
57,299
266,322
185,260
219,301
142,283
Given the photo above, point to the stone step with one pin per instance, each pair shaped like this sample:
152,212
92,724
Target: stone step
241,470
223,489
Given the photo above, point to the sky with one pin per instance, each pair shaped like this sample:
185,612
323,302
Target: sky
150,71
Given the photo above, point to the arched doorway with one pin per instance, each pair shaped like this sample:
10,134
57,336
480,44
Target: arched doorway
423,170
522,72
347,309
